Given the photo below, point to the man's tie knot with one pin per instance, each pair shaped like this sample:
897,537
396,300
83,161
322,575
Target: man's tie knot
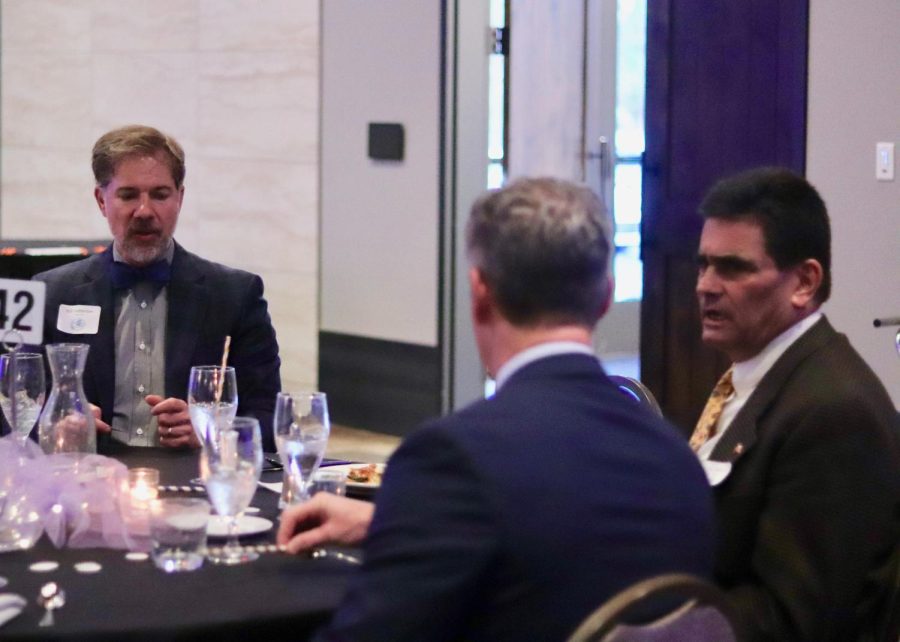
123,275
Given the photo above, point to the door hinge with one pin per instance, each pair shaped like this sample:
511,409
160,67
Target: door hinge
500,40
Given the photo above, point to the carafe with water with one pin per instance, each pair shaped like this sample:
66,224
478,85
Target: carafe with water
67,423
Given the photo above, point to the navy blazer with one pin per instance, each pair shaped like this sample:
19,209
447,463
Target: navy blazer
206,302
516,517
810,515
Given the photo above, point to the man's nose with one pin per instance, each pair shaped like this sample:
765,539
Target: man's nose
145,206
707,281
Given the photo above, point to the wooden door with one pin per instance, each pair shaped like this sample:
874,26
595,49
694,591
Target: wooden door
726,90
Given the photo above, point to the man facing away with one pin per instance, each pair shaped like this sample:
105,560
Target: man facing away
516,517
154,309
803,439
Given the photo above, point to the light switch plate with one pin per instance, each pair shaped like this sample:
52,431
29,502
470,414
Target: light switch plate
884,161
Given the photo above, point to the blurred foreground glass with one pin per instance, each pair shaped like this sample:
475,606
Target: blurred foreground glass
26,387
178,533
233,456
329,481
212,395
20,523
301,427
67,424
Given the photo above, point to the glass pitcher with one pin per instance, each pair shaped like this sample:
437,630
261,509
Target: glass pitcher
67,423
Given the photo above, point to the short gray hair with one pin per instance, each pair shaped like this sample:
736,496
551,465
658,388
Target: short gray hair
542,246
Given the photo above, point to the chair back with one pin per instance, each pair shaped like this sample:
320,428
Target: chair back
638,392
693,610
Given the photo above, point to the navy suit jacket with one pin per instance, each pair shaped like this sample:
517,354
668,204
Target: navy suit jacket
516,517
206,302
809,517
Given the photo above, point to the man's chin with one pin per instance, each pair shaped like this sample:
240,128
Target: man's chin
139,255
714,338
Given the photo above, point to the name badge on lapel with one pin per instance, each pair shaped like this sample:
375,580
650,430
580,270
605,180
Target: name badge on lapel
78,319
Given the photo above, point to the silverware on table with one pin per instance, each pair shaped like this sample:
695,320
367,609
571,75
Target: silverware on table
51,597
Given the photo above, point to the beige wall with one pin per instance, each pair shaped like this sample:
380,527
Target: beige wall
854,102
235,81
380,219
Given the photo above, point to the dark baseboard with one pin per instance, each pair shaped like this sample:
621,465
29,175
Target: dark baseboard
385,386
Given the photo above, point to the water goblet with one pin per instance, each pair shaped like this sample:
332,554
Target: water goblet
233,455
26,387
301,427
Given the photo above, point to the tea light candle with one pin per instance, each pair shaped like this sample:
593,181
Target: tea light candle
143,484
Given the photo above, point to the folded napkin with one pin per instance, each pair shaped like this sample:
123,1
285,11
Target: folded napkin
275,487
10,606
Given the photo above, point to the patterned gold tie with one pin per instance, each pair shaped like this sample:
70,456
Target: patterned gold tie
706,426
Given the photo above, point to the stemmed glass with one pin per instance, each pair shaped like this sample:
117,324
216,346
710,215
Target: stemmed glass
301,427
233,455
211,396
28,390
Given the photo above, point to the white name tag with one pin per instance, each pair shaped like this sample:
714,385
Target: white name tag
78,319
22,310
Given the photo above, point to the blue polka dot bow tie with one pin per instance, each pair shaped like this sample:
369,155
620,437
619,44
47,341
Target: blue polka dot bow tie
125,276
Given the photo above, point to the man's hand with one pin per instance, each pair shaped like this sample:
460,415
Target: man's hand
323,519
175,429
101,425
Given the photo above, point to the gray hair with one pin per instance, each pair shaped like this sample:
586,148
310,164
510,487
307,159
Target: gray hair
542,246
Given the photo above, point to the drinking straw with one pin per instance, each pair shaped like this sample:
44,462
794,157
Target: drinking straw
221,382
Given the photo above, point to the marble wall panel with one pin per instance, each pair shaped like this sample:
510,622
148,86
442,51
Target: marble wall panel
293,304
153,88
259,25
48,194
46,99
139,25
274,196
45,25
259,105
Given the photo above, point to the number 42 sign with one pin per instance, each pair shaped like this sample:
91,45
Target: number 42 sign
22,310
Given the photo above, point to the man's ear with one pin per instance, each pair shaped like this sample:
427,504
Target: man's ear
100,197
482,299
607,301
809,279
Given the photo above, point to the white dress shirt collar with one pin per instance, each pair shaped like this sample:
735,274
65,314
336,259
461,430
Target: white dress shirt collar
540,351
747,374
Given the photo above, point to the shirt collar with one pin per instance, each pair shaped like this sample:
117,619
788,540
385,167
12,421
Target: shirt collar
747,374
540,351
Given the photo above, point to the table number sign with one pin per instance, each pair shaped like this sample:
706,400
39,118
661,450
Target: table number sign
22,310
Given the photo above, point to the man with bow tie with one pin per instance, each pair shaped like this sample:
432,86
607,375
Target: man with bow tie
150,310
799,438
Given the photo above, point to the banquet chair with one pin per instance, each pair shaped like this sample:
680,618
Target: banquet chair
638,392
666,608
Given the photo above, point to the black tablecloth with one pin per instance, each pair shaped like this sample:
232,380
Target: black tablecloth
276,597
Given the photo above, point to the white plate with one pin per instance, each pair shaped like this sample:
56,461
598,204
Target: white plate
345,468
247,525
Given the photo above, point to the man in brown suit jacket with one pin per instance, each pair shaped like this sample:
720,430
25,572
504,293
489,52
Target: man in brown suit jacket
805,452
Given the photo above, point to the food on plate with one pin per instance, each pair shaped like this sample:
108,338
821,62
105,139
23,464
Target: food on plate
369,474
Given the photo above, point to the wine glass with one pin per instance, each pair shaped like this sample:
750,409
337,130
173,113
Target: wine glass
211,396
301,429
27,389
233,454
